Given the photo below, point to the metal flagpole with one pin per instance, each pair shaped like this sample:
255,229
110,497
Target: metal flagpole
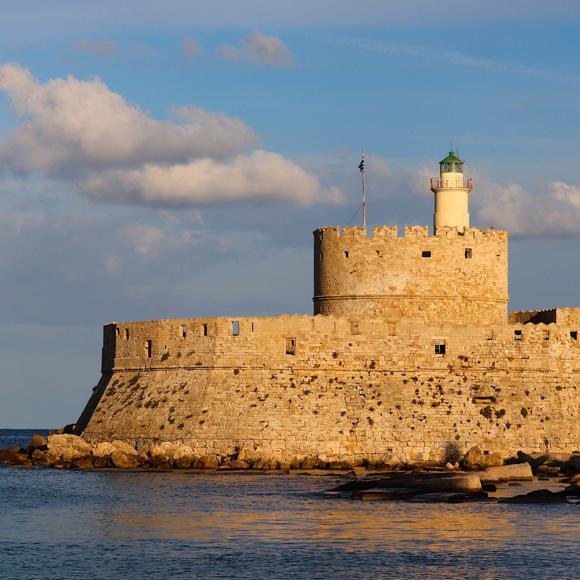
364,197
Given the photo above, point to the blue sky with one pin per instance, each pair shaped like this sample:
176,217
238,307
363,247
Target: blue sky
171,159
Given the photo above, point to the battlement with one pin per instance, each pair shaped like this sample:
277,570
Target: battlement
290,341
413,232
558,315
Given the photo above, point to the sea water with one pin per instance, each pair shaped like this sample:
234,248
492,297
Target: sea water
114,524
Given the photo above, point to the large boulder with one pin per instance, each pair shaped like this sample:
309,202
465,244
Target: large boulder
476,459
124,447
469,482
85,462
103,449
206,462
567,462
37,442
168,455
122,460
14,456
514,472
573,464
102,454
68,448
40,457
538,496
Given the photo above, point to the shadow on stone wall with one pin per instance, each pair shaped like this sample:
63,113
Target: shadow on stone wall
452,453
90,407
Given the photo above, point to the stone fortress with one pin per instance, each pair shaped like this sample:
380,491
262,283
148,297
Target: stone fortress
410,357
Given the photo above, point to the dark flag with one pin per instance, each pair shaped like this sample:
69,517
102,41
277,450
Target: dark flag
361,165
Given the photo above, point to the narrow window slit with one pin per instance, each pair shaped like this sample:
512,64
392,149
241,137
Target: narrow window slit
291,346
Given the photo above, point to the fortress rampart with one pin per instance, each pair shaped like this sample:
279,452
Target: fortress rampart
457,276
343,390
409,358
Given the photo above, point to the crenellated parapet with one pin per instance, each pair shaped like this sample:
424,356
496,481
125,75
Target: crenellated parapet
459,275
558,315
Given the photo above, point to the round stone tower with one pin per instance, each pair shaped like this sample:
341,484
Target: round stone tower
451,191
458,276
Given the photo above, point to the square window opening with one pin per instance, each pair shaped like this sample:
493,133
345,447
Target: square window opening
518,335
426,254
574,334
148,348
291,346
235,328
183,331
546,335
346,254
468,253
440,348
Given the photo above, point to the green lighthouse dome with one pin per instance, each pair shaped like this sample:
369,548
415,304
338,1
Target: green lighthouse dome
451,164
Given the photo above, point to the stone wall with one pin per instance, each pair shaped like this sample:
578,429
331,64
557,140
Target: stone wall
338,388
457,277
563,316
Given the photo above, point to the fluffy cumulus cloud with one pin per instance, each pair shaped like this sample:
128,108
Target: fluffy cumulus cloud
81,130
552,212
68,124
260,175
260,49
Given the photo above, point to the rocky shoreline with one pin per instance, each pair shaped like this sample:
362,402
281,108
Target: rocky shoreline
67,451
477,477
73,452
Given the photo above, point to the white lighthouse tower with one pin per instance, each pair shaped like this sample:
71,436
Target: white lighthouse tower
451,191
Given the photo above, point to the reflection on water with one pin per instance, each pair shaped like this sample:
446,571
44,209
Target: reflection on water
66,524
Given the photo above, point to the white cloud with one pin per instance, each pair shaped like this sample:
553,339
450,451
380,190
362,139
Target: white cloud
261,175
260,49
69,125
97,47
82,131
566,193
189,49
554,212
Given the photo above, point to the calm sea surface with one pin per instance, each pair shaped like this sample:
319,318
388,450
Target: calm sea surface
74,524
